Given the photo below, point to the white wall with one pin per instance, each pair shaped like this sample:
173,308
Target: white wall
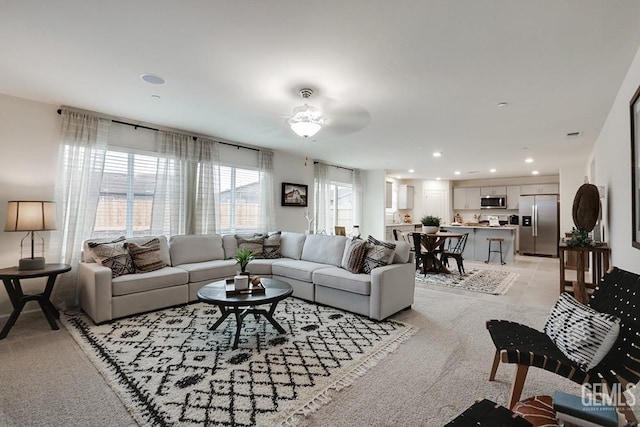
612,154
29,145
571,178
373,211
292,169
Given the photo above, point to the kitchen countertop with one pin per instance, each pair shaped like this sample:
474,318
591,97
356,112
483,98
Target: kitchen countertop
394,224
501,227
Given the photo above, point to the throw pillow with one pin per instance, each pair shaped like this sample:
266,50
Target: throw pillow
580,332
353,259
101,250
120,265
271,245
146,257
378,254
254,244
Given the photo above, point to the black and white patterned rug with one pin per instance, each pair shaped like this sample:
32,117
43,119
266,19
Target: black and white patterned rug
168,368
493,282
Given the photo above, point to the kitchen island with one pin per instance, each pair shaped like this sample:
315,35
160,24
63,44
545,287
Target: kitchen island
477,247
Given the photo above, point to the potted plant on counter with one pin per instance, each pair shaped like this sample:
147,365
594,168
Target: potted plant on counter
430,224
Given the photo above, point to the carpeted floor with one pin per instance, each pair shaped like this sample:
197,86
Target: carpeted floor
169,368
432,377
486,281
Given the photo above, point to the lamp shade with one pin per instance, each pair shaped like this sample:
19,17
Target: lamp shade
306,121
30,216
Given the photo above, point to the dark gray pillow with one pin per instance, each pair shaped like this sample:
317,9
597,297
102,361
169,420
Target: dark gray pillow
378,254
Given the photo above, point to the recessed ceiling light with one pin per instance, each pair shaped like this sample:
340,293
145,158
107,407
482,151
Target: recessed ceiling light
457,172
438,179
437,154
535,173
492,170
528,160
411,170
502,104
154,79
398,177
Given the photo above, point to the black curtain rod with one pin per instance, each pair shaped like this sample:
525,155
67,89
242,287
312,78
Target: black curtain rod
315,162
158,130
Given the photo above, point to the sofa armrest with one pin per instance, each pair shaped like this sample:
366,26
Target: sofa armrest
94,281
392,289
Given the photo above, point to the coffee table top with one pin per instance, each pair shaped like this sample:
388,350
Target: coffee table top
215,293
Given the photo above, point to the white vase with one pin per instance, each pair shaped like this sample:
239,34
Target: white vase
430,229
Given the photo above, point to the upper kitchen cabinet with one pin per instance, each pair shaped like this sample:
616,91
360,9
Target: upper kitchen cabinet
493,191
513,196
388,195
540,189
405,197
466,198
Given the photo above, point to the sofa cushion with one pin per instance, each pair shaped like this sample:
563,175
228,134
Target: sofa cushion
262,267
291,244
210,270
341,279
164,245
195,248
324,249
120,265
353,258
142,282
101,249
87,252
271,247
146,256
402,253
378,254
254,244
230,246
296,269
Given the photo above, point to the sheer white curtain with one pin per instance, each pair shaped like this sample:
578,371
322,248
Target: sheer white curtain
186,181
80,166
322,195
267,191
356,188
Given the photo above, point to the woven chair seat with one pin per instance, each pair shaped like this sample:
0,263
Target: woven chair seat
527,346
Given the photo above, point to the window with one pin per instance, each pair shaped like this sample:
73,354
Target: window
341,206
239,200
126,195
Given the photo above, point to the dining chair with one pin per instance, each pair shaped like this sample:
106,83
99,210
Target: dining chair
396,232
420,256
455,251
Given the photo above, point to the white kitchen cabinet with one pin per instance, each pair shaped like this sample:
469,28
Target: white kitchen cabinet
405,197
388,195
513,196
493,191
466,198
540,189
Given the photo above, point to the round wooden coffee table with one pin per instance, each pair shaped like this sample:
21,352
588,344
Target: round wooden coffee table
243,304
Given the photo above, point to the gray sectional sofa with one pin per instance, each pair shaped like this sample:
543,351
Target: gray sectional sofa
310,263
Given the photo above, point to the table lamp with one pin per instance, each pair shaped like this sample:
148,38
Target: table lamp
31,216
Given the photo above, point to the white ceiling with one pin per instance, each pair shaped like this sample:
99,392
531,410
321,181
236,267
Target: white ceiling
397,79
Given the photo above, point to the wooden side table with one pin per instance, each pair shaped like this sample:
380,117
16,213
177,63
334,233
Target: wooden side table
11,278
599,256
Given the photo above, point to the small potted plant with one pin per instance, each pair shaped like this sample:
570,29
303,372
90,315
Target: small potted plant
430,224
243,256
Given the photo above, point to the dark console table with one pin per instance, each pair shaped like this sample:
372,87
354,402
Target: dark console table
11,278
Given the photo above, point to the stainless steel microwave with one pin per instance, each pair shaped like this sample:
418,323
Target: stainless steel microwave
493,202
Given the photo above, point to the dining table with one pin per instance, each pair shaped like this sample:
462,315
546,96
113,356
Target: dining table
432,244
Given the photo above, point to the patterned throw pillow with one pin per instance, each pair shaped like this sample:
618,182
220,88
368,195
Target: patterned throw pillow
101,250
271,246
146,257
120,265
353,259
378,254
581,333
254,244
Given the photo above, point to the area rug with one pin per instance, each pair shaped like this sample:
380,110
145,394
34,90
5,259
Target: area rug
493,282
168,368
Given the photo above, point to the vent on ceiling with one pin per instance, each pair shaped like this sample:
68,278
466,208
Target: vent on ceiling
574,134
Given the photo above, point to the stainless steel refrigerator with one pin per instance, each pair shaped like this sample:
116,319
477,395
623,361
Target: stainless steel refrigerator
539,225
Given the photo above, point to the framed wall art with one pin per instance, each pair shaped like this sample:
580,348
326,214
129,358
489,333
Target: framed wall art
294,194
634,108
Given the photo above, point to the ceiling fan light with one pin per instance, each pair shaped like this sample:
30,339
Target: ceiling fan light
306,121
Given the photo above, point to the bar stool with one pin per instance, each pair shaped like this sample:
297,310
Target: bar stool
491,240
